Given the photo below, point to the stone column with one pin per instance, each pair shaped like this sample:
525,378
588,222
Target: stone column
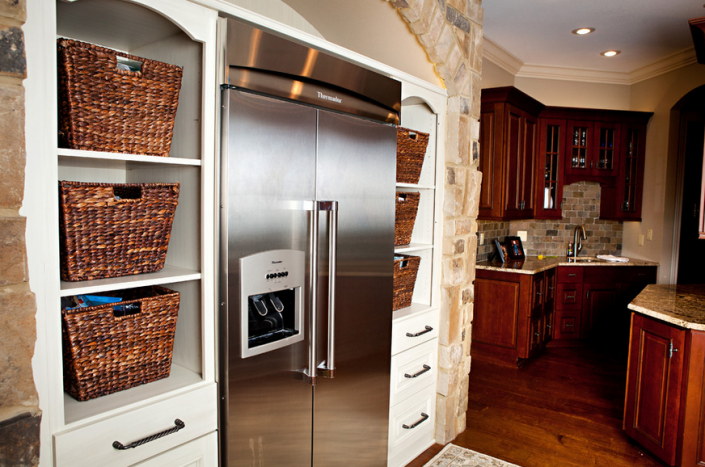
19,412
451,33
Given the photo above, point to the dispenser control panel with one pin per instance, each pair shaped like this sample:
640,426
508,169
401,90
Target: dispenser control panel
271,284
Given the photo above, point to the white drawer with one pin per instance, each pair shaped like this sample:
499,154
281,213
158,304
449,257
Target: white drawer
418,414
201,452
413,370
92,445
413,330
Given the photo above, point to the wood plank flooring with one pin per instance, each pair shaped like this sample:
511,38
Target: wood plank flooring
562,409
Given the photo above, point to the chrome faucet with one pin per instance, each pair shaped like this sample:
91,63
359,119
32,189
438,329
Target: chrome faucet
577,243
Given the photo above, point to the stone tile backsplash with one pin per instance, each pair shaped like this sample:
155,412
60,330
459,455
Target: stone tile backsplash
581,206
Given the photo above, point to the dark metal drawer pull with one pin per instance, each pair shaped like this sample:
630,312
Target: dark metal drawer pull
569,325
426,329
572,275
424,417
570,297
121,447
415,375
539,293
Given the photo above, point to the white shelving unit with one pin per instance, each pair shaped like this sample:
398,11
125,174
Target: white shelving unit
415,328
177,32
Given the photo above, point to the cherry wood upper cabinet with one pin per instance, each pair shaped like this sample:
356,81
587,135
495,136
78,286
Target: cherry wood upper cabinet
549,169
595,143
508,148
622,200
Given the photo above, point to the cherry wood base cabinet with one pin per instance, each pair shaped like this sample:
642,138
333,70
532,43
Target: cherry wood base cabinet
591,301
665,402
513,315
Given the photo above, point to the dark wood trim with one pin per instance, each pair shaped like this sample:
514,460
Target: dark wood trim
601,115
512,95
697,30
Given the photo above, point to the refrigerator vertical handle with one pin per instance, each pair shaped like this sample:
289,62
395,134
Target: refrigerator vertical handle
313,293
331,208
327,369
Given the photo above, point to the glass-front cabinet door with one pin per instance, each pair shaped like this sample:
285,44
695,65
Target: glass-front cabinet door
549,186
630,182
605,157
578,147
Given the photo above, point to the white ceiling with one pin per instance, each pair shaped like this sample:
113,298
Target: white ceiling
538,33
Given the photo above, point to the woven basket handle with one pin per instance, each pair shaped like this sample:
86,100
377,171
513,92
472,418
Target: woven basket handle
403,263
413,135
131,63
402,197
127,193
127,309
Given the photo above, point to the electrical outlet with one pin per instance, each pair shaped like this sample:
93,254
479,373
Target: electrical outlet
481,238
641,240
650,234
522,235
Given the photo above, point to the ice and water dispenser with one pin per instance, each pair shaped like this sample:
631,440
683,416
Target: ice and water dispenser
271,287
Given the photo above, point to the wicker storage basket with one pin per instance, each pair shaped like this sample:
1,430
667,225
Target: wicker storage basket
114,229
405,270
407,206
102,108
411,151
105,352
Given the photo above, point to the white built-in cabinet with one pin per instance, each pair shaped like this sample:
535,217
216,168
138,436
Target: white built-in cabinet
76,433
184,33
414,363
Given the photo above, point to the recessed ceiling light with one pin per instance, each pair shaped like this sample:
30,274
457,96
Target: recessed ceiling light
583,31
610,53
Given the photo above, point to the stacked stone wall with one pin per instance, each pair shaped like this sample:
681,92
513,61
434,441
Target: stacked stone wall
451,33
19,413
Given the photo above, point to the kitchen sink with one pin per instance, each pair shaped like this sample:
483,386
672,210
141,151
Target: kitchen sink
586,259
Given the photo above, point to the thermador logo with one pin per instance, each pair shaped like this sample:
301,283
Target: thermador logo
329,98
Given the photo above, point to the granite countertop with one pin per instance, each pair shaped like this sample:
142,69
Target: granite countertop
534,265
682,305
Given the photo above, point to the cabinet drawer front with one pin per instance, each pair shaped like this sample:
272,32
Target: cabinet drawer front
92,445
414,330
566,324
570,297
640,275
570,274
413,370
418,414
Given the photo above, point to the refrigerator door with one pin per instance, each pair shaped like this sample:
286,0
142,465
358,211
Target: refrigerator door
268,172
356,168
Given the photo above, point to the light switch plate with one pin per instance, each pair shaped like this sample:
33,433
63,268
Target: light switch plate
641,240
650,234
522,235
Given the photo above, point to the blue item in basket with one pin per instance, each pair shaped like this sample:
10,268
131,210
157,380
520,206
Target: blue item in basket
83,301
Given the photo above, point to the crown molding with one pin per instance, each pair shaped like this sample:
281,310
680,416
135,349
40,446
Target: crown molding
672,62
500,56
510,63
573,74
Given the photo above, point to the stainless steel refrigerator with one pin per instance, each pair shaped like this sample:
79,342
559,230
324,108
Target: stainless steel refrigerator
307,246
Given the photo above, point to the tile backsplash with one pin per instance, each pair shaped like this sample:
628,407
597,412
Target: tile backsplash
581,206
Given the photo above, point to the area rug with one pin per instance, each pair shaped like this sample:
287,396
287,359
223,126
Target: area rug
455,456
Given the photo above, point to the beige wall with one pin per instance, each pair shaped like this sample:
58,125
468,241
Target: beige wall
494,76
576,94
659,95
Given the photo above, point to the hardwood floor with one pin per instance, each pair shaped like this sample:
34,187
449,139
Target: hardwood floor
562,409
